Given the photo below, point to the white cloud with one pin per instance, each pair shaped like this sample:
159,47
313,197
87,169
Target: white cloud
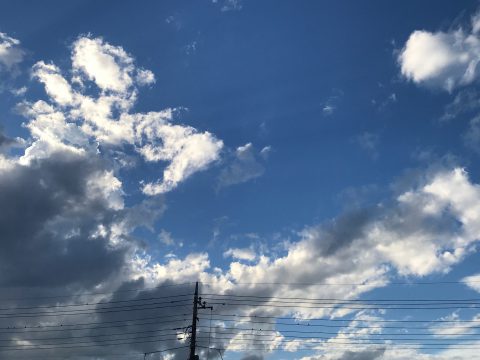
76,121
55,85
473,282
11,53
442,59
145,77
105,185
454,326
241,254
187,150
109,66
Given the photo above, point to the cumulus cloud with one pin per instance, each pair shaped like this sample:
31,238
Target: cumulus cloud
442,59
422,231
65,227
246,165
110,67
76,121
437,218
41,225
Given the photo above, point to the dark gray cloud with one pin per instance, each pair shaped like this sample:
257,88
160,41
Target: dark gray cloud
363,355
252,357
47,224
340,232
52,252
6,142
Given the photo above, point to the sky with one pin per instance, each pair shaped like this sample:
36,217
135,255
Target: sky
308,162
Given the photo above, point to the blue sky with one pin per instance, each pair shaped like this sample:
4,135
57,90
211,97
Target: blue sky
240,142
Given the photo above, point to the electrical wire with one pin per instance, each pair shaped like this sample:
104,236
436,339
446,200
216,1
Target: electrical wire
94,303
106,342
92,323
210,284
337,299
344,320
413,307
92,328
80,312
337,326
336,333
91,293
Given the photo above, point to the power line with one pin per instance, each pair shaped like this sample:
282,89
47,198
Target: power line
238,334
345,302
93,293
345,320
356,341
413,307
345,284
92,304
60,312
106,342
160,351
63,326
85,346
337,299
96,336
337,326
335,347
81,312
92,328
349,333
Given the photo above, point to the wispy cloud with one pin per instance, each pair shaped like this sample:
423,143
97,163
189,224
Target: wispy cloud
11,53
368,142
229,5
247,164
330,105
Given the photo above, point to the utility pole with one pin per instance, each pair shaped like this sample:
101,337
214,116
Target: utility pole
196,301
193,339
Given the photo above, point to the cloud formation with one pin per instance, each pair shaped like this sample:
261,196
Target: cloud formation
65,228
445,60
66,225
424,230
75,121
